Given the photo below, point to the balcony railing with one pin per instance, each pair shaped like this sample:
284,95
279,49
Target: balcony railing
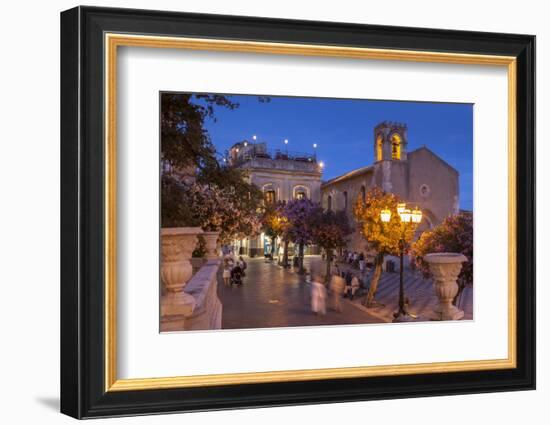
274,154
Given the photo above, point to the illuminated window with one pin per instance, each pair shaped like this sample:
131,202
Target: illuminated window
300,192
269,196
379,147
395,146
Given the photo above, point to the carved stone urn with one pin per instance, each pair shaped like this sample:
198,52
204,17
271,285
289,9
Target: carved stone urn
445,268
177,244
211,241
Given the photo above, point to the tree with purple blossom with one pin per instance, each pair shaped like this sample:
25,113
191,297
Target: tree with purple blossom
299,227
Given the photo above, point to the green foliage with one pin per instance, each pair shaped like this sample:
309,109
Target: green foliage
174,211
184,140
383,237
200,248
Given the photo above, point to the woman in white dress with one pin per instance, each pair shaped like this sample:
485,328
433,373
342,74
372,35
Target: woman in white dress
318,295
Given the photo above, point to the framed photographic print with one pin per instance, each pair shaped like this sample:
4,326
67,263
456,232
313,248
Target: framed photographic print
261,212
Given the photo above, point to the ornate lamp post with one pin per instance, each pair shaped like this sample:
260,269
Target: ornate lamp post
408,218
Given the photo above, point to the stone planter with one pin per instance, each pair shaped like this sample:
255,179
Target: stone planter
177,245
211,241
445,268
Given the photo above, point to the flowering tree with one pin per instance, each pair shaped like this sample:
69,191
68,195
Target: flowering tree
297,227
213,209
382,237
454,234
329,230
272,223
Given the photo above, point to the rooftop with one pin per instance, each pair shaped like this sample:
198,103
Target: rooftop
257,155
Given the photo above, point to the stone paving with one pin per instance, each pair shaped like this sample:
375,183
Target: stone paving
275,297
418,290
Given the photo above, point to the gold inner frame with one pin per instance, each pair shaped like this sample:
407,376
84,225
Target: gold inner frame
113,41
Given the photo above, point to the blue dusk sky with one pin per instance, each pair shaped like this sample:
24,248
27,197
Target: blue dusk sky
343,130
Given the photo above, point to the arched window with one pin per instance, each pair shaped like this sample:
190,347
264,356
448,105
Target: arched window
329,202
270,196
363,193
395,146
379,142
301,192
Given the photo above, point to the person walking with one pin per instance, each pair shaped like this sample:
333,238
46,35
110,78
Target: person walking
355,285
242,264
227,266
337,288
318,295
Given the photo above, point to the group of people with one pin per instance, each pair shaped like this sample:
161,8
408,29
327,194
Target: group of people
355,259
233,271
340,285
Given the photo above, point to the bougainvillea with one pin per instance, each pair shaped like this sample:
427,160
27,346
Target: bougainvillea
454,234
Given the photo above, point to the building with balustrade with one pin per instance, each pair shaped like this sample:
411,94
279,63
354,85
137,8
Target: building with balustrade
281,175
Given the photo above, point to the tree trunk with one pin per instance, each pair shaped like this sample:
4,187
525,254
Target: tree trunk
301,259
272,247
285,254
369,300
329,259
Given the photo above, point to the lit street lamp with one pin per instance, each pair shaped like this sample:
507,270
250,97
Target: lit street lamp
408,218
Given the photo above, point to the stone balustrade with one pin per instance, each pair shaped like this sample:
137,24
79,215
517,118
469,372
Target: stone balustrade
204,312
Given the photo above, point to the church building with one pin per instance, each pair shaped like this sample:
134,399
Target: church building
420,177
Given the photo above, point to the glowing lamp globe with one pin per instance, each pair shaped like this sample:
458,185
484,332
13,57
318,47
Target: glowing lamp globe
406,216
385,215
400,208
416,216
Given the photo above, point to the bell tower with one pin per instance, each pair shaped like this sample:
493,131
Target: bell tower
390,141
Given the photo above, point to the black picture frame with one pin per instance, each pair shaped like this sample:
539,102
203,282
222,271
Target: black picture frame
83,392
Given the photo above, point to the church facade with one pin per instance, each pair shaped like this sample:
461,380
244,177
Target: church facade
420,177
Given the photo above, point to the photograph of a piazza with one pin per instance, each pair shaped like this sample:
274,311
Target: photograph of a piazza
280,211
